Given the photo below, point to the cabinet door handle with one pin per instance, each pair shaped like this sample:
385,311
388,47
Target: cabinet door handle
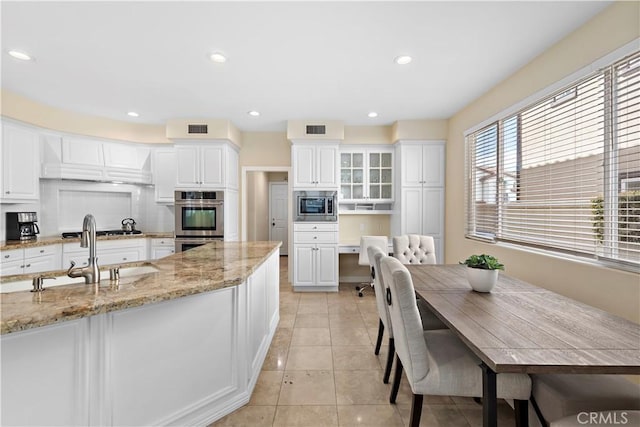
7,192
7,256
315,237
41,251
124,259
28,265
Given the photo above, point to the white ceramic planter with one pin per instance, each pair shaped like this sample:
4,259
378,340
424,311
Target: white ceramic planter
482,280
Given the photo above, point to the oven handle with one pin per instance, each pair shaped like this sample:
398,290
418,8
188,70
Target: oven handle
196,204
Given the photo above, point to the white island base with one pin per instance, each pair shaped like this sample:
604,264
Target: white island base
186,361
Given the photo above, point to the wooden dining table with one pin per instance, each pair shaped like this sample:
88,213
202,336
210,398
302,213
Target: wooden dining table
522,328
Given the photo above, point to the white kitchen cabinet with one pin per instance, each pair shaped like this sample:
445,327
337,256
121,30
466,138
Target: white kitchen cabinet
160,248
31,260
315,263
315,165
164,174
422,164
420,210
20,148
108,252
231,211
214,165
366,175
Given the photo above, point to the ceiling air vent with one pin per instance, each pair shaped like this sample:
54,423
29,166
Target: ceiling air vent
198,129
316,130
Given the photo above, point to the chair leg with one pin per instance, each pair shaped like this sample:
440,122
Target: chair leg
416,410
380,332
396,381
392,352
522,412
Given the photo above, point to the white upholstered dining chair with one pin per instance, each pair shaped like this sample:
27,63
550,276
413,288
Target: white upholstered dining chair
437,362
417,249
557,399
375,255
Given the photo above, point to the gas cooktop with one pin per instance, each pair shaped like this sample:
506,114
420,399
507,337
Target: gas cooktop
71,234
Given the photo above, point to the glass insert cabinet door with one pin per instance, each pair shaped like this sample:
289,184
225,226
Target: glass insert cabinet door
380,176
352,176
366,176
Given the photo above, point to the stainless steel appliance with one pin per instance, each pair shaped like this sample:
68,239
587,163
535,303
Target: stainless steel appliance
315,206
199,217
186,243
21,226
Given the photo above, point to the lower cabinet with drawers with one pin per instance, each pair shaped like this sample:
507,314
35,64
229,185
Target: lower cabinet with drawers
30,260
108,252
160,248
315,252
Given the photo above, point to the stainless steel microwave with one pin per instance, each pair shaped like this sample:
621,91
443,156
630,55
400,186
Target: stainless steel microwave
315,206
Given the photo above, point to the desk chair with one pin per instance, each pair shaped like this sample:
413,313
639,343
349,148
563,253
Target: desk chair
437,362
366,241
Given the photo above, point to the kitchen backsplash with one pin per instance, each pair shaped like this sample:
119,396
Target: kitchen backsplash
64,203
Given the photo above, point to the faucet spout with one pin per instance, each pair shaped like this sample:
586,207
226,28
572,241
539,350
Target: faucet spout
91,272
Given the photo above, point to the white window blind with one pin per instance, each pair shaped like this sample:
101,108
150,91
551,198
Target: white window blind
564,173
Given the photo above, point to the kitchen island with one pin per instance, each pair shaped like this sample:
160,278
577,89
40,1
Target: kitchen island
181,345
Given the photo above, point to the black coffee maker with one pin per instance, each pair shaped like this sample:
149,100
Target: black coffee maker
22,226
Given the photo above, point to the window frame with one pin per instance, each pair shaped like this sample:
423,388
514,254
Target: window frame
559,93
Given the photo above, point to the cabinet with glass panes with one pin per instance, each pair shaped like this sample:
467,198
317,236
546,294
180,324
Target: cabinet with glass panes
366,175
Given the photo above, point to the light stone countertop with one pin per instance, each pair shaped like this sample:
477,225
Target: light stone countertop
206,268
53,240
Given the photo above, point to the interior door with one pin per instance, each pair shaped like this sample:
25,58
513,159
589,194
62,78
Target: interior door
279,214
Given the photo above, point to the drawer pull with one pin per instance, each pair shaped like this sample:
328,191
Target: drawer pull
124,259
41,251
28,265
7,256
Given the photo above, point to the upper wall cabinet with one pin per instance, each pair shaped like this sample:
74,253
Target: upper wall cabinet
422,164
71,157
20,162
164,174
366,175
206,165
315,165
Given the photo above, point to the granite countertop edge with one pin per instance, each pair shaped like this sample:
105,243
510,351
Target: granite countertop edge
54,240
211,267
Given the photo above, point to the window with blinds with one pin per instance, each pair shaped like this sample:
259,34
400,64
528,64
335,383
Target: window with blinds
564,173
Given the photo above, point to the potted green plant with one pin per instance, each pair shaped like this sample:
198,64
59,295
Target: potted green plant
482,272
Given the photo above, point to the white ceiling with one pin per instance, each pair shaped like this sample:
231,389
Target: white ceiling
288,60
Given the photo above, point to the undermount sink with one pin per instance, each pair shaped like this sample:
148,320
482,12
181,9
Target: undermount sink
26,285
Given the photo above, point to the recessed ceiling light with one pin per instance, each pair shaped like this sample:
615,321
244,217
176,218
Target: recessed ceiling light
218,57
20,55
133,114
372,114
254,113
403,60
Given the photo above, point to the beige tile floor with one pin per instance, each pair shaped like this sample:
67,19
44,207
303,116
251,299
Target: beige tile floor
321,371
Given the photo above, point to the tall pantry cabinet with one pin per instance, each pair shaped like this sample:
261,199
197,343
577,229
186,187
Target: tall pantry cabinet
419,206
315,244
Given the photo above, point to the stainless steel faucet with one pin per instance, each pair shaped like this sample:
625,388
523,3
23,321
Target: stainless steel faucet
91,272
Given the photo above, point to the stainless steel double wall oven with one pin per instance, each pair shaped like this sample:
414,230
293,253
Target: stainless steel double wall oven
199,218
